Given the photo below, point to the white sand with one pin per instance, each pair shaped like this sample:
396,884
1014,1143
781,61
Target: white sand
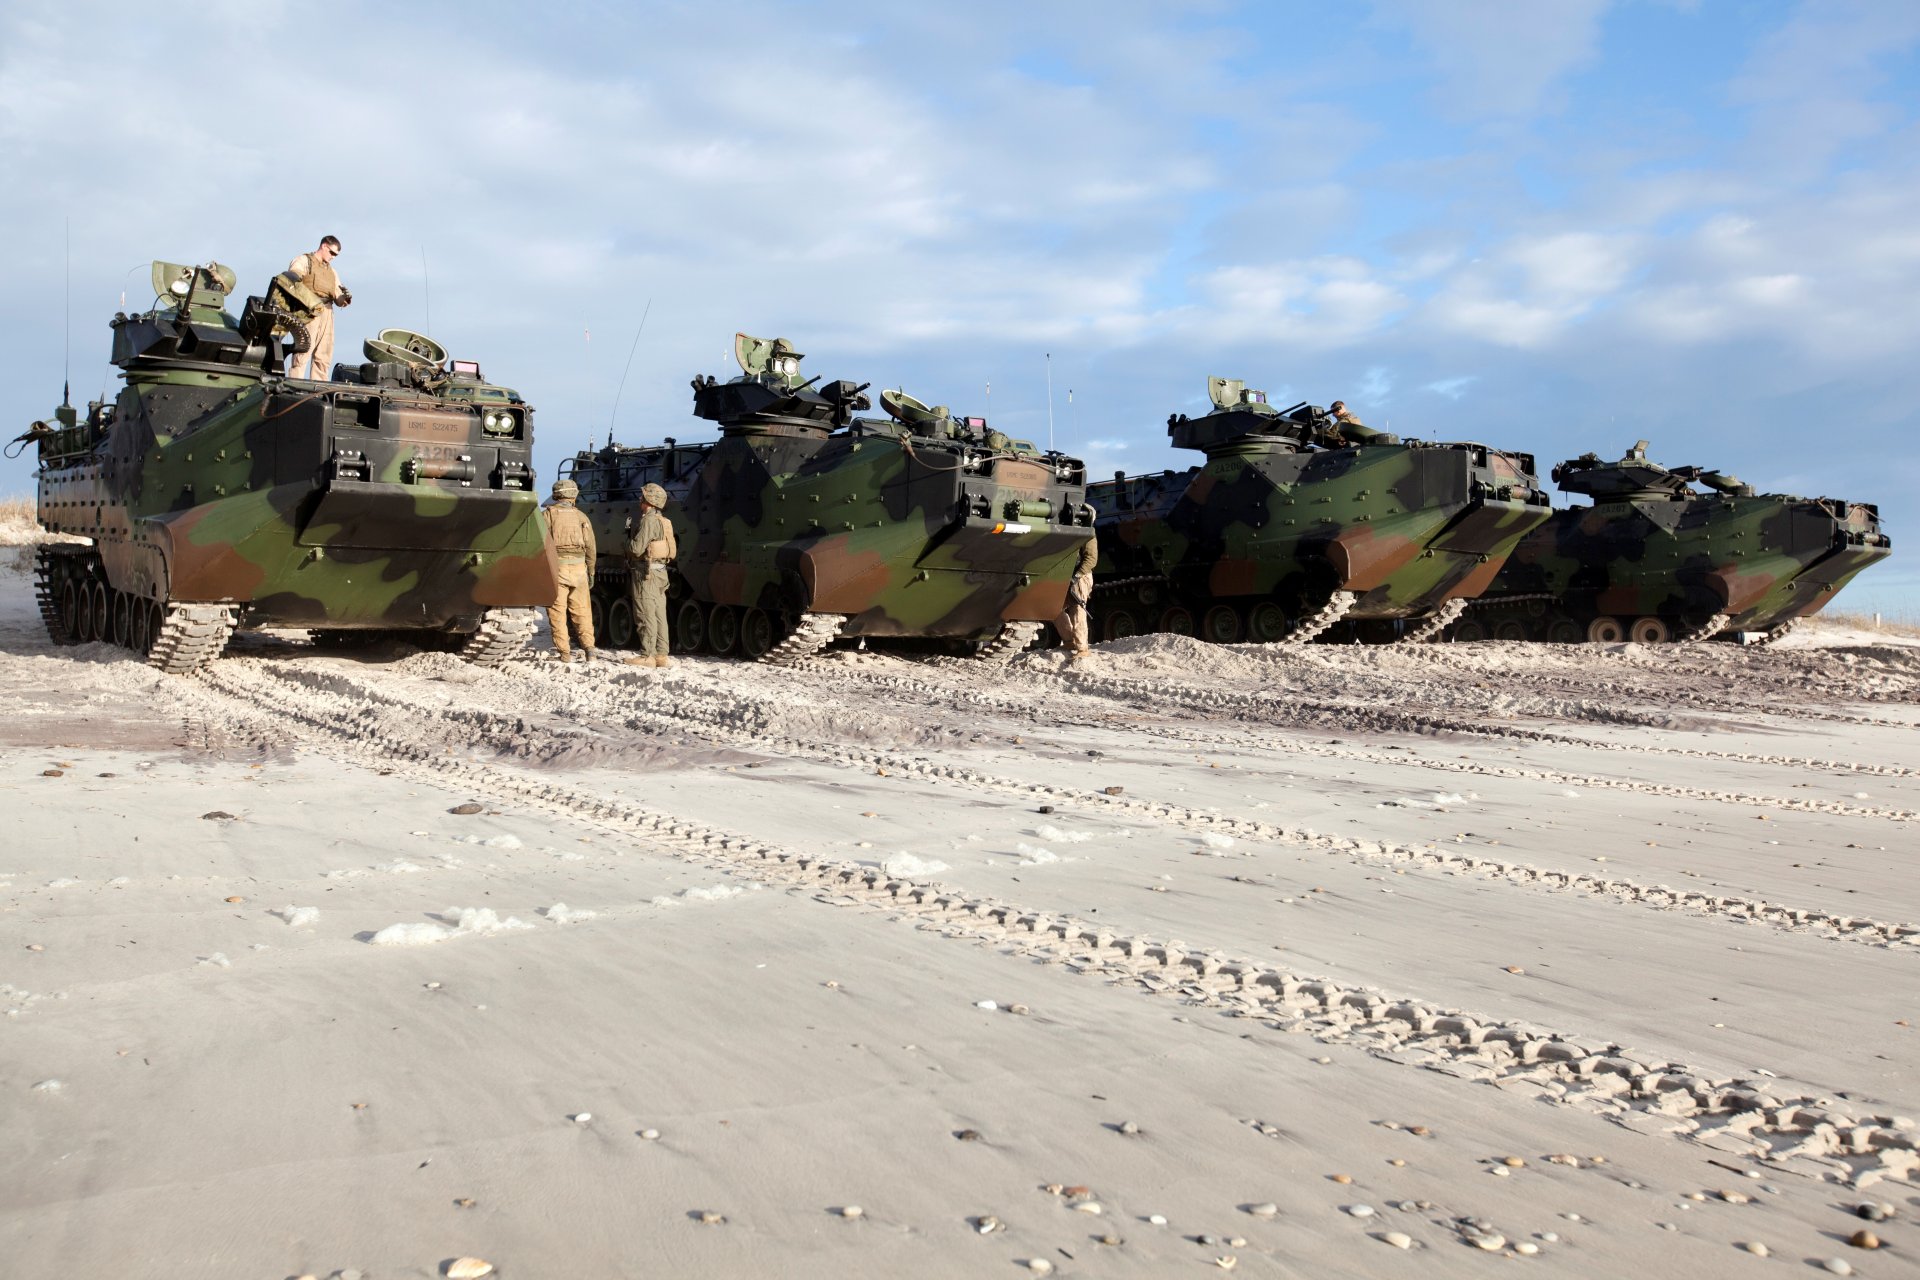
689,905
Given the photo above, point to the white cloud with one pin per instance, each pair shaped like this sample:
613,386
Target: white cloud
1499,58
1452,388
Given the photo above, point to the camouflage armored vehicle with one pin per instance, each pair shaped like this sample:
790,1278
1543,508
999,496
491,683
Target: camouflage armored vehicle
804,523
217,493
1654,559
1298,522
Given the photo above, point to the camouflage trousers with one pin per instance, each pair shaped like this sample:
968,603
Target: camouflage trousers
650,612
317,360
572,604
1072,622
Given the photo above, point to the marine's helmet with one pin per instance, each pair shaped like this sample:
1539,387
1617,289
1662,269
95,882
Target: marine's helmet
565,490
654,496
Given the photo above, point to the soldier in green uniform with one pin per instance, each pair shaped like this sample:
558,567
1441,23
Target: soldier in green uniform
650,550
572,535
1072,623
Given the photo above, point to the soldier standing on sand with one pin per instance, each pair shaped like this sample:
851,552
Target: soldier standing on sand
315,270
1072,623
650,550
572,535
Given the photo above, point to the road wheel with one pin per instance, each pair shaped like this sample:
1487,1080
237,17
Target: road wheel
1469,629
1266,622
619,625
121,607
1119,625
723,628
1222,625
690,627
139,627
1511,629
597,606
759,632
1650,631
1605,630
70,608
1563,631
1178,619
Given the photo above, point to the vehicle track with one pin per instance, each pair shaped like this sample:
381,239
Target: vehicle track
681,706
1743,799
1804,1134
978,699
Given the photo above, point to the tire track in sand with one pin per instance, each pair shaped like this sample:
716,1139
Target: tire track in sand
679,707
1811,1136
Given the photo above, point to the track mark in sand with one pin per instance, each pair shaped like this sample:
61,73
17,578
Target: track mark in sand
1810,1136
1010,706
678,707
1412,724
1299,711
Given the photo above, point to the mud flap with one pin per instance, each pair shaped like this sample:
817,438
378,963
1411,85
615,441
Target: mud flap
401,517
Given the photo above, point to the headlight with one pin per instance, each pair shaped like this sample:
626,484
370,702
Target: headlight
498,422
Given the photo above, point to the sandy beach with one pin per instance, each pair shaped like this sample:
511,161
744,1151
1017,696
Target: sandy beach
1318,962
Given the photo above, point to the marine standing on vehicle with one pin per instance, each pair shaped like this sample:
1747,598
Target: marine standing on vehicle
315,270
572,535
651,549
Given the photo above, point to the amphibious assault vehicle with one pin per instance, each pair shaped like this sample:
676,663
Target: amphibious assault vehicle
804,523
1654,559
1298,522
216,493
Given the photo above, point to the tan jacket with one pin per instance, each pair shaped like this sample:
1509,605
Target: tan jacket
653,541
316,275
572,533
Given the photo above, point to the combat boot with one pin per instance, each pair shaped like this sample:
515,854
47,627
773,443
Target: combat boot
587,657
562,656
643,661
663,661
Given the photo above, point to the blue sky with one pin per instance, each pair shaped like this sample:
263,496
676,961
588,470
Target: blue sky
1553,225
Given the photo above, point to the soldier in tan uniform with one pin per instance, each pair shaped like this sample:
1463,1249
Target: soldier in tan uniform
650,550
1345,425
1072,623
572,535
315,270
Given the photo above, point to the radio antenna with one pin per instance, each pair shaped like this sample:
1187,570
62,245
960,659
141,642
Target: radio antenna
615,416
1049,402
66,354
426,287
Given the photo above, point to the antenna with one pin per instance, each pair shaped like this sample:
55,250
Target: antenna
615,416
989,414
426,287
1073,415
66,355
586,369
1049,402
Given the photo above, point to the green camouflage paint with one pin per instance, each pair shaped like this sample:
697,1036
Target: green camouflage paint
1291,512
396,495
916,526
1655,559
